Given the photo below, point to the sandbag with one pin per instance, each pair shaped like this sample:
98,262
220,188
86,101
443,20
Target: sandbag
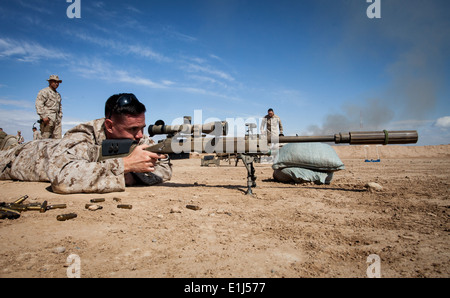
313,156
301,175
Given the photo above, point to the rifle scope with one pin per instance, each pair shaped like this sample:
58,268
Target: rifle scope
218,128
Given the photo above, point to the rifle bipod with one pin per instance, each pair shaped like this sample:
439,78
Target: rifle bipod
251,178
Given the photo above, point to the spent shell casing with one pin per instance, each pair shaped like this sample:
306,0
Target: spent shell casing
194,207
57,206
125,206
97,200
43,207
9,210
17,207
33,208
64,217
20,201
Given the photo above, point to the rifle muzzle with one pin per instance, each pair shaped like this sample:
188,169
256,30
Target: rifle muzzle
356,138
378,137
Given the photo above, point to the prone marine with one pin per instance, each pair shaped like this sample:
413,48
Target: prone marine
71,164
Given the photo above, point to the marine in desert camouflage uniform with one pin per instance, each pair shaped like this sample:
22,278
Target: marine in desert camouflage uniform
271,124
36,134
7,141
48,107
71,164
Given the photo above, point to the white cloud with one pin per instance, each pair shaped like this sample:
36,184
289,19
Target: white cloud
443,122
125,77
122,48
167,82
28,51
13,120
98,69
16,103
38,6
21,117
134,9
208,70
180,36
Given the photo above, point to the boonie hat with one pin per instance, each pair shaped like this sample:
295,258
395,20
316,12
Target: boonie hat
54,78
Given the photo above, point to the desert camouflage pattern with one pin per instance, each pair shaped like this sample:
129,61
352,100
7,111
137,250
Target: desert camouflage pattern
7,141
274,126
27,162
71,164
48,105
37,135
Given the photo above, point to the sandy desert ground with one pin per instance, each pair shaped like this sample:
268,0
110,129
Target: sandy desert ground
284,230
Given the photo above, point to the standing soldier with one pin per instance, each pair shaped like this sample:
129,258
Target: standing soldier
271,126
36,134
48,107
19,137
274,127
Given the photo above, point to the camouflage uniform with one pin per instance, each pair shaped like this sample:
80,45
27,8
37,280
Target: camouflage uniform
48,105
36,135
7,141
71,164
27,162
274,126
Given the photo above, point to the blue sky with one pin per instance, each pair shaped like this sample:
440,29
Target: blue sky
322,65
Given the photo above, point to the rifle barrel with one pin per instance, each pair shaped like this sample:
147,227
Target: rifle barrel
302,139
260,145
384,137
357,138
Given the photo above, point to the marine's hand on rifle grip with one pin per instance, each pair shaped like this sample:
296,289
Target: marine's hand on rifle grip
141,160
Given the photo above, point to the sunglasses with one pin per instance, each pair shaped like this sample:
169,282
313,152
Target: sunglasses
122,101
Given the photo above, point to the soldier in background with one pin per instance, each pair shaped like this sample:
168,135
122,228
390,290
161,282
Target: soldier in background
36,134
48,107
19,137
273,122
7,141
2,134
272,127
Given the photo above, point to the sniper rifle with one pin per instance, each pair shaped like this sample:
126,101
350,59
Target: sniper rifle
185,138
